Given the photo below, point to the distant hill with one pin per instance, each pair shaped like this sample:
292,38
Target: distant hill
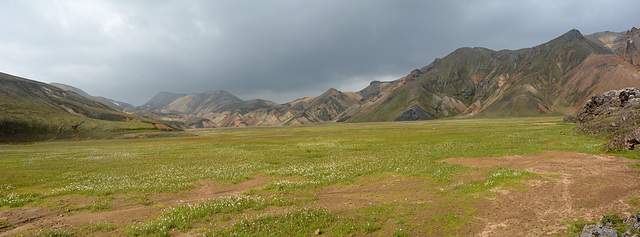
222,109
624,44
159,101
31,110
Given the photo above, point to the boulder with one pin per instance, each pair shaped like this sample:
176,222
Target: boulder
599,230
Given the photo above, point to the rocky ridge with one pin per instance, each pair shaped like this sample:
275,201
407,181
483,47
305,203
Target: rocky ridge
623,44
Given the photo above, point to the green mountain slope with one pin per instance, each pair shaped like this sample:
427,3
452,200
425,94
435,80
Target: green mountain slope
30,110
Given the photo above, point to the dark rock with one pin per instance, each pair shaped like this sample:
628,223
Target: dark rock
611,220
572,35
632,139
628,141
598,230
414,113
434,64
372,90
569,119
632,219
629,232
412,76
300,106
609,103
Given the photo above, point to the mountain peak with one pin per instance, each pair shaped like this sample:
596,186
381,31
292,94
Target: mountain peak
333,90
162,99
572,35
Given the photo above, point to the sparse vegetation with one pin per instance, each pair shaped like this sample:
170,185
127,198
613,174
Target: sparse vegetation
577,225
4,225
299,162
184,216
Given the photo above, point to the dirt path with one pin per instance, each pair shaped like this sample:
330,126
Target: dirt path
40,217
574,185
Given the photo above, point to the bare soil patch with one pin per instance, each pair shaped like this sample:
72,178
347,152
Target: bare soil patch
123,211
573,185
372,190
414,202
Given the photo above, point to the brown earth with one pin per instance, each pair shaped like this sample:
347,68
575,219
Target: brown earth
573,185
126,212
570,185
588,79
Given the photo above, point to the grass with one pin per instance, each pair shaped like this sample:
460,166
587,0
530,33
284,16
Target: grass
98,229
142,199
5,225
183,216
323,154
576,226
317,156
295,223
100,205
301,222
34,120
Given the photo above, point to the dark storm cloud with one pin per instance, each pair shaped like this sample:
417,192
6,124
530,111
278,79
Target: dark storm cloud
278,50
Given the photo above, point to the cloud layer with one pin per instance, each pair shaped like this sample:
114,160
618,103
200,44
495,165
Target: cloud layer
278,50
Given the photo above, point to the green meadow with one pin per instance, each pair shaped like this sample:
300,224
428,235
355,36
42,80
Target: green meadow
300,164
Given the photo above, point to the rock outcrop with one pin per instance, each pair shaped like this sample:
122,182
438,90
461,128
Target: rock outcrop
414,113
599,230
608,225
613,115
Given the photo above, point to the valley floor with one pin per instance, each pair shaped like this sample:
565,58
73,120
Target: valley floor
480,177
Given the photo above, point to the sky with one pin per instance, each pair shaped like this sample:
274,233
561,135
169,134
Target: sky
277,50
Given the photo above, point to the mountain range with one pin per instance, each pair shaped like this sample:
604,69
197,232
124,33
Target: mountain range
554,78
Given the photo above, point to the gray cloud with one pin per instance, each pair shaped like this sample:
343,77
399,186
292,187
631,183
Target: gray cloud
277,50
